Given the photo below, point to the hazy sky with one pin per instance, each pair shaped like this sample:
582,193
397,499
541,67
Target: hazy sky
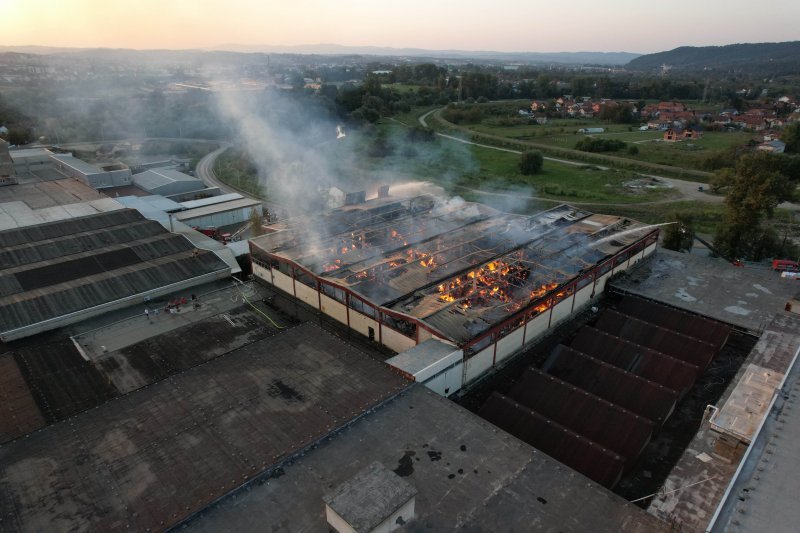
501,25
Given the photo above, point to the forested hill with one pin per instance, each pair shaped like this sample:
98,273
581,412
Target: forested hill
776,58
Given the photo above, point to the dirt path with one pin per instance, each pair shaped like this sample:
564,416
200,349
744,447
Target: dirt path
689,190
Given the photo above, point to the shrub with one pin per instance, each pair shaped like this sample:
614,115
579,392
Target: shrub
590,144
530,162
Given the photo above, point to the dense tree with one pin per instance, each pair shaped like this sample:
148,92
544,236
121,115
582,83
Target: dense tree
754,189
791,136
530,162
591,144
463,114
420,134
475,84
680,235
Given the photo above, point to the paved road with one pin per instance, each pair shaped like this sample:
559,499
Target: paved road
205,171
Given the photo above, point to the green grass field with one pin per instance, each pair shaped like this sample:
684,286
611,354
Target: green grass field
685,154
460,167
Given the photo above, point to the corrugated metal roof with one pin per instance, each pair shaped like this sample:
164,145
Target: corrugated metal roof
19,154
192,204
52,230
198,212
637,359
672,343
574,450
639,395
155,178
73,162
82,263
668,317
84,241
146,203
608,424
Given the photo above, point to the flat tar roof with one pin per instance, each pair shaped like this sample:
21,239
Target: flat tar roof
154,457
771,472
745,297
764,496
467,474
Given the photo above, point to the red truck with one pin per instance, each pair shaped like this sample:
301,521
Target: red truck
785,265
215,234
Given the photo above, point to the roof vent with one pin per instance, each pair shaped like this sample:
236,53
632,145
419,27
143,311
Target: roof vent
375,499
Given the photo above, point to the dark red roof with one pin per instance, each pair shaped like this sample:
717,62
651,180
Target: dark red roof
575,451
645,362
684,347
668,317
608,424
641,396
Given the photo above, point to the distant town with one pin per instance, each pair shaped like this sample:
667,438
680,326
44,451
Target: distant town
425,291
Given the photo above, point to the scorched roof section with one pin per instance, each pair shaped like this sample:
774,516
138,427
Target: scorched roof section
460,267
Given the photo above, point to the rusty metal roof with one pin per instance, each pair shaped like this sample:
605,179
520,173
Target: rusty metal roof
601,421
671,318
635,358
684,347
641,396
574,450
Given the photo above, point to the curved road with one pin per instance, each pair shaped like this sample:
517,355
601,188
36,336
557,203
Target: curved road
688,189
205,171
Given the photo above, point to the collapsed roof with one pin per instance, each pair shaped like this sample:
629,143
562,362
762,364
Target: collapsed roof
460,267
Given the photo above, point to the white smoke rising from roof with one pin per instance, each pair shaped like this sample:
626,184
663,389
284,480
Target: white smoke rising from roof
289,138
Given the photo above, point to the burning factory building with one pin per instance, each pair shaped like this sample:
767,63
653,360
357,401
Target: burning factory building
454,287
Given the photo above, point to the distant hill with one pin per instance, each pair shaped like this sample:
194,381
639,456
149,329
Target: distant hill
750,57
570,58
564,58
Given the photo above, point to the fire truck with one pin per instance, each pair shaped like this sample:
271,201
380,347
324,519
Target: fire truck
785,265
215,234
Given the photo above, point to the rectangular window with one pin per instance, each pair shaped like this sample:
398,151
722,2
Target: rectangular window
478,346
362,307
305,278
334,292
405,327
511,326
584,281
285,268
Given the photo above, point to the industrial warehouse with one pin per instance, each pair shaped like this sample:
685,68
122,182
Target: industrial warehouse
575,381
484,283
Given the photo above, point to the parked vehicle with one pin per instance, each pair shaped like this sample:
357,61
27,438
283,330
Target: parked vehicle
785,265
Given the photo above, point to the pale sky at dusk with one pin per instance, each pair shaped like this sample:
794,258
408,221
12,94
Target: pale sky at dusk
501,25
